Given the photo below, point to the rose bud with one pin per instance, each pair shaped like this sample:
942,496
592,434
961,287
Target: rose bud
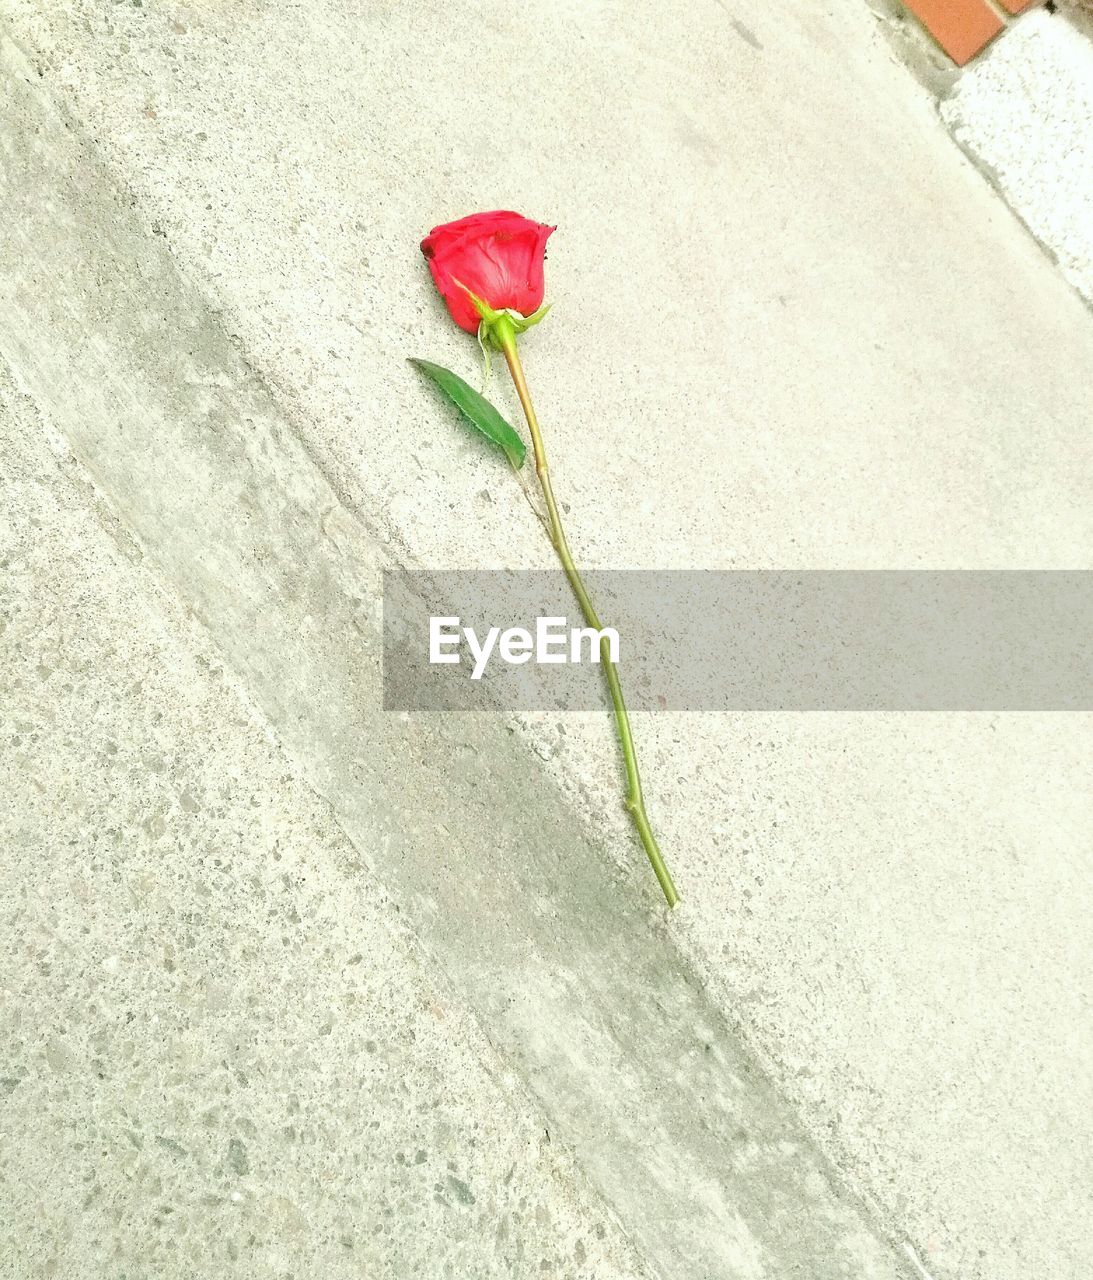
497,257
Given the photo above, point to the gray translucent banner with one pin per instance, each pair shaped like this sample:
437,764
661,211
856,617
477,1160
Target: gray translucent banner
781,640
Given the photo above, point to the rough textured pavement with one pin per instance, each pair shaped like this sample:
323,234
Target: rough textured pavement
220,1045
395,1004
1025,113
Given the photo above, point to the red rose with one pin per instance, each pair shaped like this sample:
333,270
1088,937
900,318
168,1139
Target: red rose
498,256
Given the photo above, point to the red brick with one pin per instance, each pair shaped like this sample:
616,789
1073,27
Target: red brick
1017,6
961,27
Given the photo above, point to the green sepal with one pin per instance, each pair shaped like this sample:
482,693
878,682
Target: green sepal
522,323
476,409
489,318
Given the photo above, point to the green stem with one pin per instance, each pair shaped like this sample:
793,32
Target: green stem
635,800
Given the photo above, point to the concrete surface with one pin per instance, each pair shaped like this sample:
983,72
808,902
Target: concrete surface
222,1052
793,326
550,943
1025,113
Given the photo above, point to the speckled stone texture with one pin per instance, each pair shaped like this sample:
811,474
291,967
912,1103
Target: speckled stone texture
792,326
1025,113
221,1051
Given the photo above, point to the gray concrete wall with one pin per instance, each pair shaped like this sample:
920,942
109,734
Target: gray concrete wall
792,326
